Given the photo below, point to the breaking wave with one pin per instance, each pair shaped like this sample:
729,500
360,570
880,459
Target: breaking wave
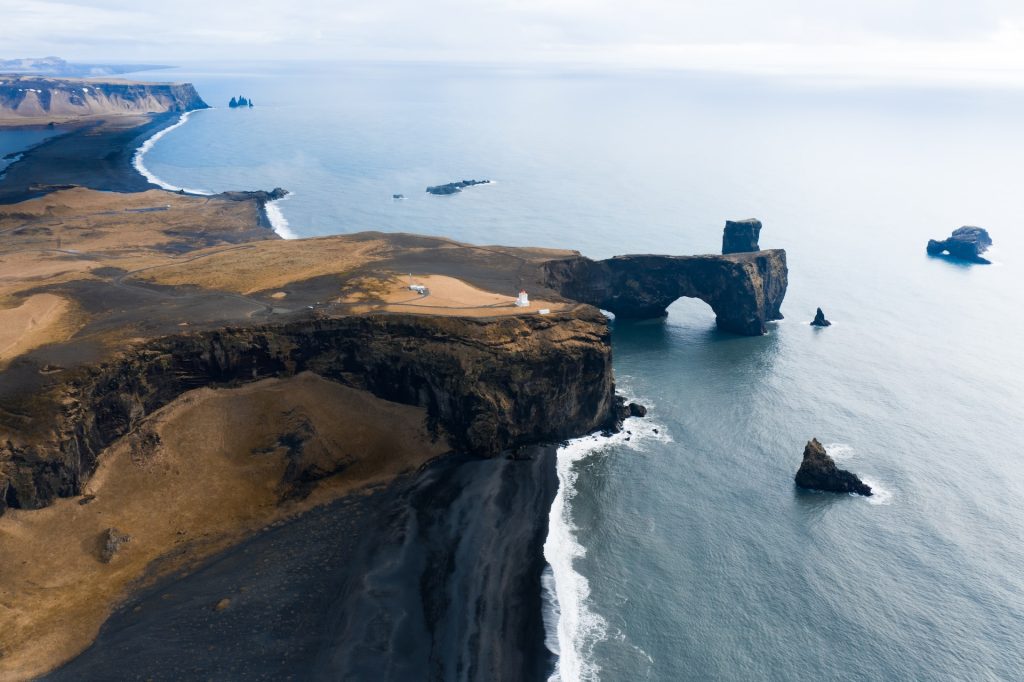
572,627
138,160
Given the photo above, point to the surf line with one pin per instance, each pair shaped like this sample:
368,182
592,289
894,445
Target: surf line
273,212
572,627
138,160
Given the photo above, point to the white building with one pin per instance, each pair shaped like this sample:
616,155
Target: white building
523,301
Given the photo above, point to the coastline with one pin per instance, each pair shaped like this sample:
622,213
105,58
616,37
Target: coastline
95,155
107,155
450,543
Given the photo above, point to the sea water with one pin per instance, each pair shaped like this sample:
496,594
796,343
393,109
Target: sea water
686,552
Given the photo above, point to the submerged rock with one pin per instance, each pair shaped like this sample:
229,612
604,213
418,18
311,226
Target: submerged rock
740,236
819,320
818,471
966,243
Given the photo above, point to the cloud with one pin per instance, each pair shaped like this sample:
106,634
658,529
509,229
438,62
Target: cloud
932,38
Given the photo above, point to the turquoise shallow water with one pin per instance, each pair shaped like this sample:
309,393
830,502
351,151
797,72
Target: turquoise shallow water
701,558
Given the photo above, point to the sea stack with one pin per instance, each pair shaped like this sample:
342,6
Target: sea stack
967,243
819,320
818,471
740,236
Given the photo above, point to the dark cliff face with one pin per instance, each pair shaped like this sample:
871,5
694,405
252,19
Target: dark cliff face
745,290
488,385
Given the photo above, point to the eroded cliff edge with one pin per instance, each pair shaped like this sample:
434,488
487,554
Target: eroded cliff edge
488,385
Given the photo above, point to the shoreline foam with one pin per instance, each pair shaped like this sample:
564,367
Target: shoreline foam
139,164
277,220
572,627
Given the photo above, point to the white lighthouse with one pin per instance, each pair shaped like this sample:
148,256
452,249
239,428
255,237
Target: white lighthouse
523,301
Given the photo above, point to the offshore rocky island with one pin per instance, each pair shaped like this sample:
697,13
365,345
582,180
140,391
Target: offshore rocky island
190,406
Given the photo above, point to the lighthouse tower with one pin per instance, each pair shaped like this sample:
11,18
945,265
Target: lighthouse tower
523,301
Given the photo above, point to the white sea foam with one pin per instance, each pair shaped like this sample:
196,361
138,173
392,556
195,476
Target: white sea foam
277,219
842,452
572,627
879,493
139,159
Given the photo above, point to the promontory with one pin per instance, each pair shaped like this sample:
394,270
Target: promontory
176,380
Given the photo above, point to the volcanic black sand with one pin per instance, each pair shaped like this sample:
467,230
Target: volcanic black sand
97,155
435,576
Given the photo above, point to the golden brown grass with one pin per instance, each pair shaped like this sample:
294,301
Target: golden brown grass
213,478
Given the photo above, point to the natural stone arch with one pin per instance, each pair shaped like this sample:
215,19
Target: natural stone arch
745,290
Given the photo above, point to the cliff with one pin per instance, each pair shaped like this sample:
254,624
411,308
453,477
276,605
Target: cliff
488,385
744,289
37,98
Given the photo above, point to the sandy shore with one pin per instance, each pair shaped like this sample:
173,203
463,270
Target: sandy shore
93,154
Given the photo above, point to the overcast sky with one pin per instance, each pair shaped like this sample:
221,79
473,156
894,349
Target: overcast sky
973,40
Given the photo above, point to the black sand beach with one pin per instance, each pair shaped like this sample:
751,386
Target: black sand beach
436,576
94,155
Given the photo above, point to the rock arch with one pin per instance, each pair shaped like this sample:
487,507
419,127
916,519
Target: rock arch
745,290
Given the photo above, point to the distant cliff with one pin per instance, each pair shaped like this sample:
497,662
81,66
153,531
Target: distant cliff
35,98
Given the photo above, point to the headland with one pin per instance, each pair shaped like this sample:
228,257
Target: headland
172,371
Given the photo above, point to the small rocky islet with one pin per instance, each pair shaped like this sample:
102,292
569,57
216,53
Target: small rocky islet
819,320
966,244
454,187
818,471
240,102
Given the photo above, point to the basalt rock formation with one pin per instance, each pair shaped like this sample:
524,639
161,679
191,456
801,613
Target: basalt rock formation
740,236
261,196
488,385
819,320
966,243
744,289
37,97
818,471
455,187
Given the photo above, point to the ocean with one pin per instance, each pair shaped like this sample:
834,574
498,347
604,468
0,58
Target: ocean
681,550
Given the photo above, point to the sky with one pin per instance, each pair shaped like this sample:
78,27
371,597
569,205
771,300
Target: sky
974,41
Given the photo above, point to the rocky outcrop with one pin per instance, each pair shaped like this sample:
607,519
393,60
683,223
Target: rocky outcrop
740,236
819,320
744,289
261,196
966,243
819,472
487,385
455,187
110,542
35,97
